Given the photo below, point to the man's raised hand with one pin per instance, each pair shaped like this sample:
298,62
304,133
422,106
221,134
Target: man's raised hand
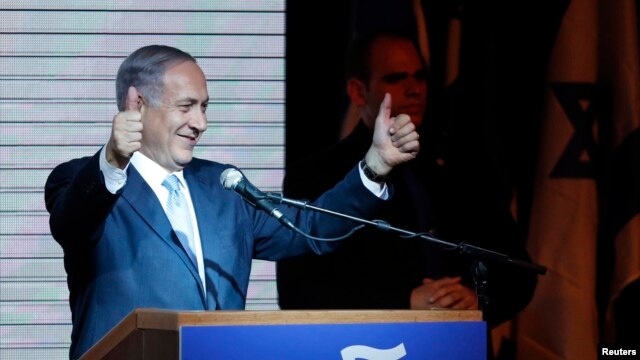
126,131
395,140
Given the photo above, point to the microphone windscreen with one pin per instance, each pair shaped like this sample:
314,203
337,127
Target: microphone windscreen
230,178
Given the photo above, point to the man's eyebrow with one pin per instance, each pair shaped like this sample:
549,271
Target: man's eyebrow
403,74
396,75
191,100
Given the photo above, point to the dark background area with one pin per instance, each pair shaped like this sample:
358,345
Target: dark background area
491,114
490,118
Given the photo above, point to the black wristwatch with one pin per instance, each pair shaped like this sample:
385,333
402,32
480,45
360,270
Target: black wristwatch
370,174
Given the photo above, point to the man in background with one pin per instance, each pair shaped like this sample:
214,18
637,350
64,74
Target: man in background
432,193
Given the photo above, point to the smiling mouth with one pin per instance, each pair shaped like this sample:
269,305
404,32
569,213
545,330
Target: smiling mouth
193,136
192,139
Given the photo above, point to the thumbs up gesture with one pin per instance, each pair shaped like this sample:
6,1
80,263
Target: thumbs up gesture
126,131
395,140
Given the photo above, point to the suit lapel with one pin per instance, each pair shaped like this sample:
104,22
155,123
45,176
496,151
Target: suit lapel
201,196
145,203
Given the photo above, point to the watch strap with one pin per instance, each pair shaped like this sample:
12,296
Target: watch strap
370,174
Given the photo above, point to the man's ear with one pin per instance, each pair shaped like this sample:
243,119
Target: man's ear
357,91
143,103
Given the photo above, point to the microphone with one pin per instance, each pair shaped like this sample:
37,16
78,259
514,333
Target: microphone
232,179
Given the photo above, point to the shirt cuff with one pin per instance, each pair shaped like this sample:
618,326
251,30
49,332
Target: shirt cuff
114,178
379,190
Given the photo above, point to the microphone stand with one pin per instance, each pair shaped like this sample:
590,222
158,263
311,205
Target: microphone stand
479,270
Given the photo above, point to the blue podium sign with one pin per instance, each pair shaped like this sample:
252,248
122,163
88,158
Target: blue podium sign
372,341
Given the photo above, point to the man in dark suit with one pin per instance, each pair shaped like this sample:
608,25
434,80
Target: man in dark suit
432,193
144,224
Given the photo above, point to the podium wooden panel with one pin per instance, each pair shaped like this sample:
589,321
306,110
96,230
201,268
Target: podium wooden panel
155,334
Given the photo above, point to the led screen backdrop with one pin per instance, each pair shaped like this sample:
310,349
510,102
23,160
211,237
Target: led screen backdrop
58,61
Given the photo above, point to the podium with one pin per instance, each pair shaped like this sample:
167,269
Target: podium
288,334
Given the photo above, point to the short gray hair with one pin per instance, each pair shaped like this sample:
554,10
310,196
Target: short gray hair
144,69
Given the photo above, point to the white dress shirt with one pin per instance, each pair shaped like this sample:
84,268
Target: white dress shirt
154,175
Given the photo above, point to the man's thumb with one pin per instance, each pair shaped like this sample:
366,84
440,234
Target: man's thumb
134,99
385,108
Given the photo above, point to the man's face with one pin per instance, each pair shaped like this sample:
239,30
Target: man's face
395,69
172,129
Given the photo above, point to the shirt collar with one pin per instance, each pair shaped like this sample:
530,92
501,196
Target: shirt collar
151,172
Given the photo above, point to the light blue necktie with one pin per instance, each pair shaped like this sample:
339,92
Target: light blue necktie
178,213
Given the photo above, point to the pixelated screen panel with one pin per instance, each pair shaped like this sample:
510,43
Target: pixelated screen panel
58,62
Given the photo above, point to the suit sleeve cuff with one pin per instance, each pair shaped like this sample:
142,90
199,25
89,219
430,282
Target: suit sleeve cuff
377,189
114,178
